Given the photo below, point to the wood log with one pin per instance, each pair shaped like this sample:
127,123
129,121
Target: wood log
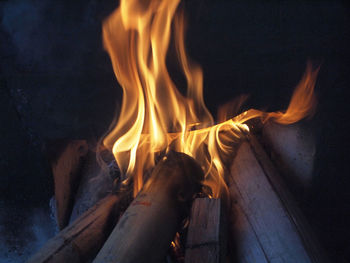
148,226
81,241
244,245
268,224
310,242
66,176
95,183
205,237
292,149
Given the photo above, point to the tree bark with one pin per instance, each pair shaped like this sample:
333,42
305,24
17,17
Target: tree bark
148,226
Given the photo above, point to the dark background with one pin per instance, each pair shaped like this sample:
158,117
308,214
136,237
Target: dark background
57,82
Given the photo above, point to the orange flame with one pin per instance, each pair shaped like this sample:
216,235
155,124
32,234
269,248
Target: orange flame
155,116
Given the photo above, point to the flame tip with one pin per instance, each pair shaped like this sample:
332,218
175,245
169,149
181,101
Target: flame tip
155,117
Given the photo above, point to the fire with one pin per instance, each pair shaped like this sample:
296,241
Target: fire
155,117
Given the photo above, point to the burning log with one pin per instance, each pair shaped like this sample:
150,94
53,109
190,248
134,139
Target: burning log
82,240
269,225
205,241
65,170
148,226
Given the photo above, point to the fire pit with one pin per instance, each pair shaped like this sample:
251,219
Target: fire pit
188,189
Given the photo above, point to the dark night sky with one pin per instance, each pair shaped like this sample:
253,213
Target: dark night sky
57,82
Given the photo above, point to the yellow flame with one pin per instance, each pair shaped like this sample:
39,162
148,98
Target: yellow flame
155,116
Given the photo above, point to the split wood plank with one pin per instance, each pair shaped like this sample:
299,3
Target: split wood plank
292,148
66,177
204,240
244,244
81,241
264,213
310,242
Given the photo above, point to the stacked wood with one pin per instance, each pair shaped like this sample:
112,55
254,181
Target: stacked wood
148,226
81,241
205,237
66,173
267,224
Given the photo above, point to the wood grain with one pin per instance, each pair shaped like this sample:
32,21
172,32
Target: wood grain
203,237
264,223
244,243
146,229
289,202
82,240
66,177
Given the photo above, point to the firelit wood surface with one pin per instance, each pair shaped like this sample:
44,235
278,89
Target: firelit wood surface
82,240
244,244
310,242
203,237
276,233
292,148
65,172
146,229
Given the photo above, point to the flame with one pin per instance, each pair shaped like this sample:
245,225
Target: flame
155,116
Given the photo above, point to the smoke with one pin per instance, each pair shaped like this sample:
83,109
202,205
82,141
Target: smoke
22,232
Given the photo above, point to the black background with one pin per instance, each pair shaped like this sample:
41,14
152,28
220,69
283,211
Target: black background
57,82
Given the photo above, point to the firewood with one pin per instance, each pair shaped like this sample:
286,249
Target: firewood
302,225
148,226
66,176
82,240
292,149
244,245
205,241
95,183
269,225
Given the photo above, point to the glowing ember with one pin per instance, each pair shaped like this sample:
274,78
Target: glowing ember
155,116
